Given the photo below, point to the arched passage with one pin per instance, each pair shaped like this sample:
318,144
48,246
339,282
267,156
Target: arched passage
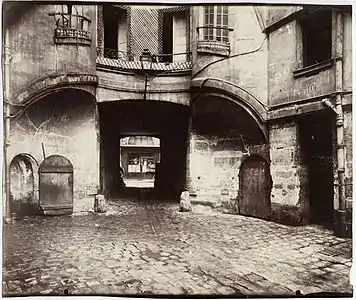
159,119
23,185
255,187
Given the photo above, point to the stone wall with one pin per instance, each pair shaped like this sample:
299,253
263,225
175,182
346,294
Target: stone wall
65,124
287,201
214,170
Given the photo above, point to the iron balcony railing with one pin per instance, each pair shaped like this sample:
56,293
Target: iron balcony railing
158,62
214,33
214,39
71,28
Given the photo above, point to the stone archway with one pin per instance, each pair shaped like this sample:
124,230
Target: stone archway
23,185
223,132
207,87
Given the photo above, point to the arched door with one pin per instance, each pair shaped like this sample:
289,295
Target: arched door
255,188
23,200
56,185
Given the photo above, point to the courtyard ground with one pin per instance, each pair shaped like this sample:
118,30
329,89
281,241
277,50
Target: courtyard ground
151,248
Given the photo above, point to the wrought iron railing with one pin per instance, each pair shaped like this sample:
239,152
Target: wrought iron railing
71,28
214,33
214,39
158,62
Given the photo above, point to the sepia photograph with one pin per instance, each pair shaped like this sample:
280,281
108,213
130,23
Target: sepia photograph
177,149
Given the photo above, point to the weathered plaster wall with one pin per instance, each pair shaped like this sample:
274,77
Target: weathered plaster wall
277,13
123,86
248,71
283,59
65,124
34,53
287,175
285,56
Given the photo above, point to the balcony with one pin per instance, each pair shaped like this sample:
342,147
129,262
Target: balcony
71,29
214,40
119,60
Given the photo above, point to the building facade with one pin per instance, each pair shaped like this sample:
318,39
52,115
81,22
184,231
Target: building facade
250,108
139,156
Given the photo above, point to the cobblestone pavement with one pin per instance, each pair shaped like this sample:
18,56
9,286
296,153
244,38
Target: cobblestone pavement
142,249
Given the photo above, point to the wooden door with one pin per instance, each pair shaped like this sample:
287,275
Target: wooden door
56,185
255,188
56,190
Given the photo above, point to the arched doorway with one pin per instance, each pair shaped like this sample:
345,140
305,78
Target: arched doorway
222,132
23,185
255,187
56,185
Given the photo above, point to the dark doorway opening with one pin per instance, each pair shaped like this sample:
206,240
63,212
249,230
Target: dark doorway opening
168,37
317,154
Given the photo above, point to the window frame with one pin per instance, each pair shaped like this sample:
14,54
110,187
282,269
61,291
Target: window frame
307,31
212,14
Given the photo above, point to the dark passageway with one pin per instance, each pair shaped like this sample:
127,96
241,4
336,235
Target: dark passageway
162,120
317,154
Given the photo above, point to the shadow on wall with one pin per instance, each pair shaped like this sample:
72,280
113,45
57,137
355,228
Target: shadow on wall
24,185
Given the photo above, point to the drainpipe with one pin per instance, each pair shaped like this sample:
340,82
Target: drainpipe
340,229
6,81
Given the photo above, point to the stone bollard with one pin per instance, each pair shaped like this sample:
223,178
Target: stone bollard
99,204
185,204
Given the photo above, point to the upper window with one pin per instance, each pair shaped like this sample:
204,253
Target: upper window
317,38
115,32
174,40
216,17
